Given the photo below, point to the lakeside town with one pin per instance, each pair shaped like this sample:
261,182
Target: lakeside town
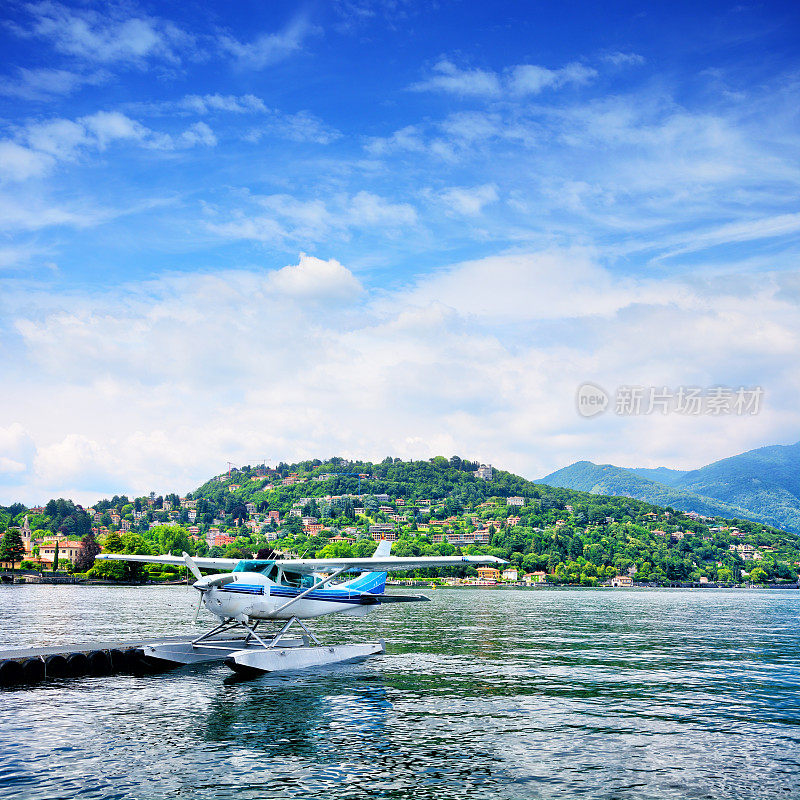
438,507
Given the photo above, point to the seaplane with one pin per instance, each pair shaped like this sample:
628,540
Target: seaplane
285,592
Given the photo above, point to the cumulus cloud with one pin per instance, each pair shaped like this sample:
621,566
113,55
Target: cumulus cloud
162,383
315,279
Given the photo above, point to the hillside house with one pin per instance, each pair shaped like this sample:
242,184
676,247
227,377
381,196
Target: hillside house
622,582
67,548
536,577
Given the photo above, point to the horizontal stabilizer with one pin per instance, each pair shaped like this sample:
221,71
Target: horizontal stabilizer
404,598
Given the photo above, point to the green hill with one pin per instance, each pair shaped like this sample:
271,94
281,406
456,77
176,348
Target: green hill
339,508
761,485
440,506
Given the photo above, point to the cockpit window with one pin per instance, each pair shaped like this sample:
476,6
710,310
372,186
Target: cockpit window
298,580
264,567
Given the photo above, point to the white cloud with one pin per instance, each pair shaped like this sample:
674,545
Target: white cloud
268,48
109,126
65,140
447,77
31,215
210,103
734,232
16,452
469,201
17,255
17,163
76,461
520,80
315,279
60,138
283,218
198,134
299,127
620,59
482,359
532,79
43,83
107,37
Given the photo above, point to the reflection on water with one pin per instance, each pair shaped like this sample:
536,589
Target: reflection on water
508,694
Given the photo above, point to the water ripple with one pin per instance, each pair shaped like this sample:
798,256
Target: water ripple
507,694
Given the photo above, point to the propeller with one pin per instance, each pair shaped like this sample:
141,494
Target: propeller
192,566
197,610
204,584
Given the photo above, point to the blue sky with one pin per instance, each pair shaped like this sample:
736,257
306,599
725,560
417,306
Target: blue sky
278,230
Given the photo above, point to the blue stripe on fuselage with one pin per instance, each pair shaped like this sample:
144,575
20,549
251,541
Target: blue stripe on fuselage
325,595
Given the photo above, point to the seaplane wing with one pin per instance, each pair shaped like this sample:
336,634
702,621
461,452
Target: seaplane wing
381,564
308,565
203,563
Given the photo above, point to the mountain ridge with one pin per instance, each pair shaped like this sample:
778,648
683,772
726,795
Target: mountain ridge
762,485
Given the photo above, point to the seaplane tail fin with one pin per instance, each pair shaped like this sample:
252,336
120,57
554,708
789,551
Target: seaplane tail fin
369,582
384,549
373,582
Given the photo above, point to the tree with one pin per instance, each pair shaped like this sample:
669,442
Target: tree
109,570
757,575
86,555
11,547
112,543
55,557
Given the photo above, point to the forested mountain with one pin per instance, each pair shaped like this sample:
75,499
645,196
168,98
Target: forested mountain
339,508
440,506
761,485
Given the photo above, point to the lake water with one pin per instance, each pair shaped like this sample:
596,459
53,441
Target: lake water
481,694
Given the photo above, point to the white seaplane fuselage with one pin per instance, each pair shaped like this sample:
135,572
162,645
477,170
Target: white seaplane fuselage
249,592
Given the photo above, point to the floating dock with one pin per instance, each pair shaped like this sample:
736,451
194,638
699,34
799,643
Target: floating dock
34,664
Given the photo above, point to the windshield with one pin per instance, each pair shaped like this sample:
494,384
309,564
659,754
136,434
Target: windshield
254,566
